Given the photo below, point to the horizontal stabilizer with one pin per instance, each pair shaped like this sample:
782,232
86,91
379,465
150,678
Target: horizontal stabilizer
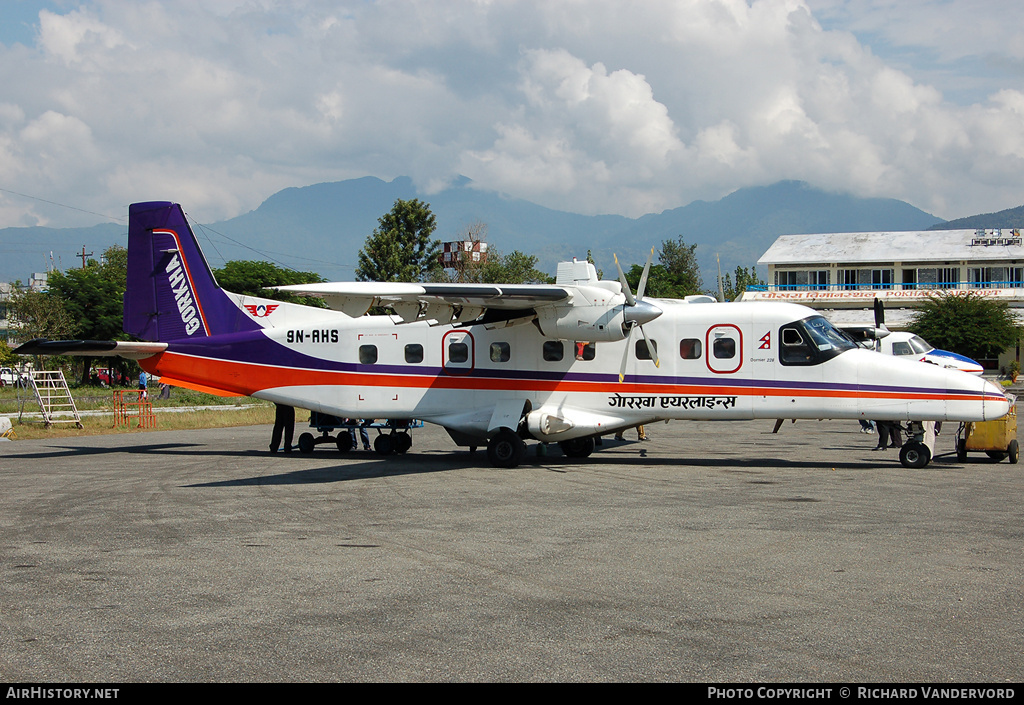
90,348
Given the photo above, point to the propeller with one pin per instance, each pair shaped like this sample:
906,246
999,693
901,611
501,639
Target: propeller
636,312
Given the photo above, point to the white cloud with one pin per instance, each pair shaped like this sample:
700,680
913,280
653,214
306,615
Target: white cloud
594,106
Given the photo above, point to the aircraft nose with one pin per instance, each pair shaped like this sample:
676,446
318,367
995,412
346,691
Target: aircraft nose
996,404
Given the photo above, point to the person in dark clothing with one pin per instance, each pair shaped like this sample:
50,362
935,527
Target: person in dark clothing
284,422
888,435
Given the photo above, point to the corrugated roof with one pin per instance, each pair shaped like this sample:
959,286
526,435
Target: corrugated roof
889,247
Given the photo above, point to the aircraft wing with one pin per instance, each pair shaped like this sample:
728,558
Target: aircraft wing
438,302
90,348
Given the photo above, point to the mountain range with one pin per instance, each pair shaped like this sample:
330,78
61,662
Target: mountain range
322,227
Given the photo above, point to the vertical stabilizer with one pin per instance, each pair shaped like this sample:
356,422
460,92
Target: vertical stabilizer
172,293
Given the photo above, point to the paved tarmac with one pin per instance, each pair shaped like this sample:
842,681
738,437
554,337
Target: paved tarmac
713,552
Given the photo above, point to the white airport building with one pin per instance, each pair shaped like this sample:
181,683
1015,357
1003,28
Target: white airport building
841,274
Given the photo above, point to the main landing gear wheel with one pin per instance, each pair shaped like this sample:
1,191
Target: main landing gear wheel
505,449
578,447
402,442
344,441
383,444
914,454
307,443
1013,450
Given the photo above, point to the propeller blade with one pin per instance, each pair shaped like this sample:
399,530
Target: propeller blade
643,278
625,357
650,348
625,285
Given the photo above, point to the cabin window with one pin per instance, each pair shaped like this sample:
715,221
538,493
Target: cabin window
414,353
642,352
553,350
367,354
724,348
690,349
585,351
901,348
458,352
501,352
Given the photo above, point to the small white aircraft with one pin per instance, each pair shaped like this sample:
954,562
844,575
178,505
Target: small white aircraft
917,348
903,343
495,365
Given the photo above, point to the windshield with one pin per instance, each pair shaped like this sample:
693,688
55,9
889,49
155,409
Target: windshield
920,345
811,342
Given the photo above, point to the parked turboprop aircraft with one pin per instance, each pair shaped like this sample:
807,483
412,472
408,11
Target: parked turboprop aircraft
496,364
879,337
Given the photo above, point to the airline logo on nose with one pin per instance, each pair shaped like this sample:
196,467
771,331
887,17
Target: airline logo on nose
183,295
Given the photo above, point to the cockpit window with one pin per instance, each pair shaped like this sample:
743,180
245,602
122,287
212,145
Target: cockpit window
920,345
811,342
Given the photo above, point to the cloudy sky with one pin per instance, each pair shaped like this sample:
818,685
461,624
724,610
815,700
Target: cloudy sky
593,106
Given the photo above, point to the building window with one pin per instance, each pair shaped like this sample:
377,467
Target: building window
847,279
1015,278
909,279
818,279
786,280
947,278
985,277
881,278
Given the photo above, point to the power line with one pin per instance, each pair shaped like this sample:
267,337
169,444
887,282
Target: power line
119,219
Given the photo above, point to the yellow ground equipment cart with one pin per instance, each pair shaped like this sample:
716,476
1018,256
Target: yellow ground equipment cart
998,439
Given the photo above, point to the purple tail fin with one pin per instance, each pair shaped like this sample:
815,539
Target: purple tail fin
172,294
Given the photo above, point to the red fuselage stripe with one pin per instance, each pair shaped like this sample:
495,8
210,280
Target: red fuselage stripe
248,378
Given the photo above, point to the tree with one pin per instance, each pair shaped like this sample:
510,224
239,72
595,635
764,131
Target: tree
400,248
513,268
676,275
968,324
37,315
680,261
253,278
744,280
93,297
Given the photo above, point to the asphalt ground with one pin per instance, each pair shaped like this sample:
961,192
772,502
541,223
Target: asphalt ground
713,552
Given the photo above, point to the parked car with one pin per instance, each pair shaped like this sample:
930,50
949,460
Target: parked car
11,377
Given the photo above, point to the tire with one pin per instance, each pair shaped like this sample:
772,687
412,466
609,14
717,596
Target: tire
996,455
307,443
578,447
961,450
505,449
383,444
1013,451
915,455
344,441
402,442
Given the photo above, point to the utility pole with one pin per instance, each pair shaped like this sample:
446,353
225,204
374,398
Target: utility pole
83,254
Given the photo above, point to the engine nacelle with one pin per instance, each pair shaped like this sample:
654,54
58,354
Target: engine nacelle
589,323
550,424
